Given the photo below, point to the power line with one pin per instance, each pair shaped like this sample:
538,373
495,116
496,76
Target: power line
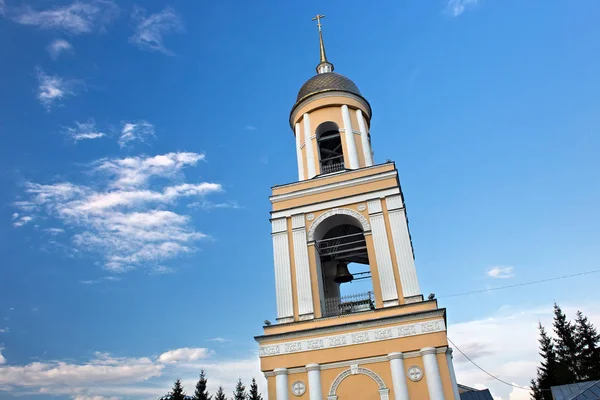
493,376
520,284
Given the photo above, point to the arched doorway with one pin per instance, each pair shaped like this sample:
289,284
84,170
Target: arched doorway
331,154
358,383
345,284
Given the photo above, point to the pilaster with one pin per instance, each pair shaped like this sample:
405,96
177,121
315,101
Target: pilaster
432,374
303,281
299,152
398,376
315,391
350,145
283,274
310,154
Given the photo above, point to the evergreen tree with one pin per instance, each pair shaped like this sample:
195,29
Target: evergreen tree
240,391
589,341
254,394
567,349
177,392
220,395
201,393
547,372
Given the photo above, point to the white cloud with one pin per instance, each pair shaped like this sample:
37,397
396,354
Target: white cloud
208,205
505,344
76,18
457,7
218,340
54,231
2,7
84,131
4,330
140,131
149,31
84,397
127,223
250,128
2,359
183,355
57,47
501,272
53,88
162,270
22,221
15,216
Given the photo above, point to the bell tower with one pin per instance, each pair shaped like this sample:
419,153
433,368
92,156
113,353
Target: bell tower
343,226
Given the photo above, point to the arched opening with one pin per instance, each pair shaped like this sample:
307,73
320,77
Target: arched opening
345,284
331,155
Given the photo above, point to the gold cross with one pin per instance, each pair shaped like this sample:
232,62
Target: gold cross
318,19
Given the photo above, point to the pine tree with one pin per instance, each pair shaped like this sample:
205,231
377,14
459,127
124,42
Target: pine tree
254,394
177,392
546,373
567,349
240,391
589,341
201,393
220,395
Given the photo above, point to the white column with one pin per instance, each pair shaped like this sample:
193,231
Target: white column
387,281
432,374
398,376
283,272
402,246
310,154
303,283
364,138
314,382
350,146
299,153
452,374
281,383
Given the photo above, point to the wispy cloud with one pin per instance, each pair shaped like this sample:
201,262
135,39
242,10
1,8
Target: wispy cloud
54,231
457,7
84,131
57,47
500,272
2,359
109,278
4,330
209,205
184,355
52,88
218,340
139,131
124,217
76,18
161,270
24,220
250,128
150,31
2,7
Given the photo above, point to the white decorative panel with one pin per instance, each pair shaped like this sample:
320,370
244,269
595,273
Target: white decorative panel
283,276
299,152
278,225
364,138
298,221
310,154
350,145
393,202
303,284
374,206
384,259
404,255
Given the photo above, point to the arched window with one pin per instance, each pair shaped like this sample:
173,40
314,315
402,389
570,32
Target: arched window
331,155
345,284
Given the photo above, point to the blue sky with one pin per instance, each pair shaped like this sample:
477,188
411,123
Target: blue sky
139,142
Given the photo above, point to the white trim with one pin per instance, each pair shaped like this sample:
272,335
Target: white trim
299,153
385,268
350,145
298,221
338,211
283,276
374,206
356,370
404,254
333,186
335,203
278,225
281,383
303,283
310,155
452,374
394,202
364,138
314,382
432,374
398,376
352,339
315,97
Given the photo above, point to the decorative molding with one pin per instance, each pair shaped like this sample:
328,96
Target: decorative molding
310,217
414,373
333,186
387,281
361,207
374,206
313,367
391,303
298,221
413,299
285,320
394,202
373,323
334,203
280,371
278,225
354,371
395,356
428,350
345,211
404,253
306,317
298,388
350,339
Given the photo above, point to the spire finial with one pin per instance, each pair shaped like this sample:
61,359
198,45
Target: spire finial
324,65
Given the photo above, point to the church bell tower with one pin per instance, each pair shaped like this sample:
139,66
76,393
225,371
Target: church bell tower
343,225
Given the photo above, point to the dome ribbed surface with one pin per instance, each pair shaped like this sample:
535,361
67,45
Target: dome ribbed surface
329,81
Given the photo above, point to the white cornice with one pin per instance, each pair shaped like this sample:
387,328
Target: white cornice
333,186
329,94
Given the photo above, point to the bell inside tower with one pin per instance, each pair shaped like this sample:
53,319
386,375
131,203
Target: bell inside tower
343,266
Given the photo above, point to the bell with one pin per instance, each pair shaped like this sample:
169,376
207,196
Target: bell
342,275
